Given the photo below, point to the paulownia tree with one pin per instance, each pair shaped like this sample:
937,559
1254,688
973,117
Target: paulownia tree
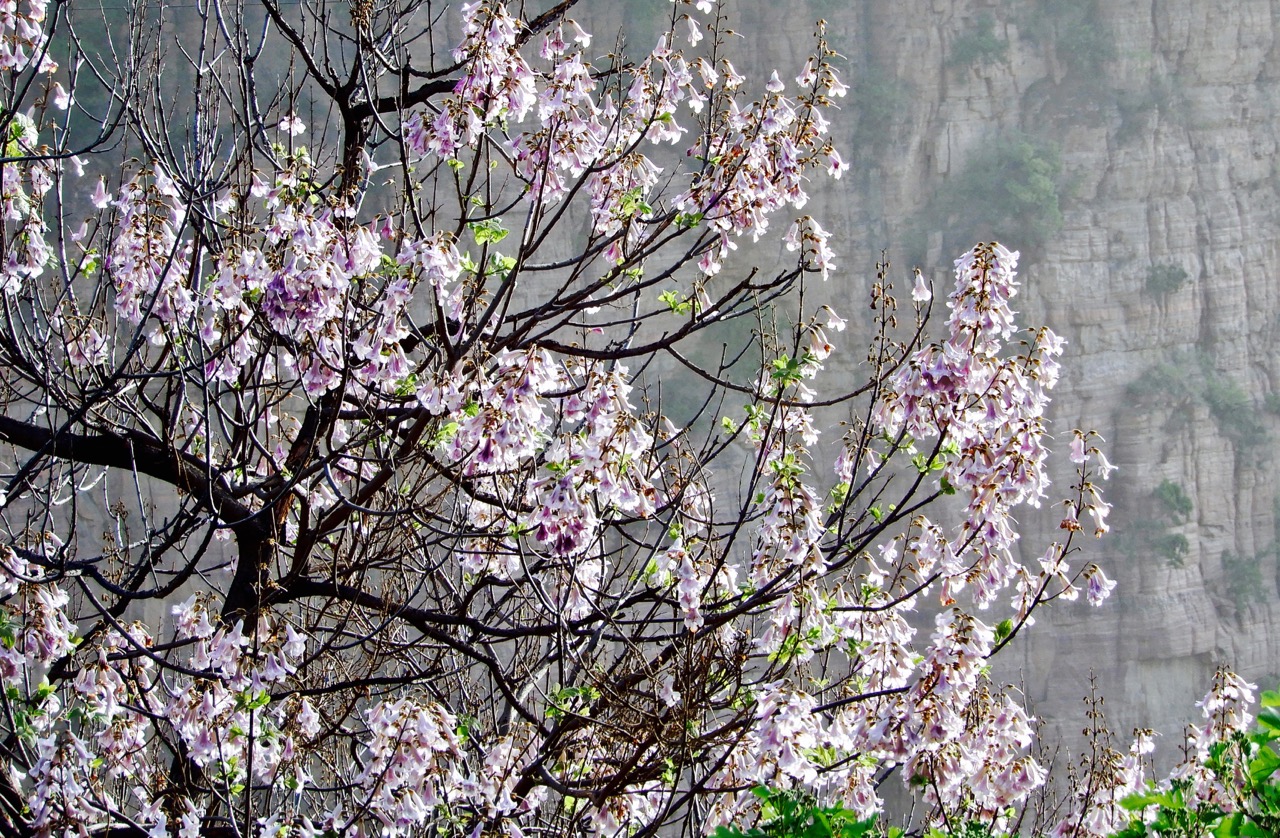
340,496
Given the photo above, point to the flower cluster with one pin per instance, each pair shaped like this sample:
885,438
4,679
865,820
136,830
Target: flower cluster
496,84
1227,711
147,262
971,413
1097,809
412,754
24,39
763,153
985,407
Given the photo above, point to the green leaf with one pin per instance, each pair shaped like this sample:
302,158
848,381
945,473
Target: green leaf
1270,698
1228,827
91,260
407,385
572,700
500,265
1138,801
786,370
1263,765
489,231
839,493
675,302
445,434
1249,829
632,202
1003,630
823,823
925,464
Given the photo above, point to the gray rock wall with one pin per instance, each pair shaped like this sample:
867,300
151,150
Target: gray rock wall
1168,164
1163,116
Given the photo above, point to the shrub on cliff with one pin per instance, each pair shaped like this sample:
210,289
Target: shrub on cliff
1008,188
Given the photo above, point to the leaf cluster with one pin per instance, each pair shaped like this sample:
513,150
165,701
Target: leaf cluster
788,813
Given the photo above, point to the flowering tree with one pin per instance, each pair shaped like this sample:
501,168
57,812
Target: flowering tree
340,496
1227,783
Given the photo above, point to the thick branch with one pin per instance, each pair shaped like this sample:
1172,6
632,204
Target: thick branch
132,453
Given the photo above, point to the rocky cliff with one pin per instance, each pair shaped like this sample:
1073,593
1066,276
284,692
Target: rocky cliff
1129,149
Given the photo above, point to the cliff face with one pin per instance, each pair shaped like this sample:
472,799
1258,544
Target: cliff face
1157,121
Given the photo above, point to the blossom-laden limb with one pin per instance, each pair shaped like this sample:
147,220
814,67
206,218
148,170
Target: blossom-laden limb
345,488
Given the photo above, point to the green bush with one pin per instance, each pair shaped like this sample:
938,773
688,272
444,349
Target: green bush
1192,376
1166,279
1162,96
1013,184
1173,499
1148,536
1172,547
1243,575
1072,29
1083,44
1234,412
1248,769
796,814
1165,383
980,46
878,100
1008,190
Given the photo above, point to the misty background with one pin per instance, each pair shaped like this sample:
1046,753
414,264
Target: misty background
1128,150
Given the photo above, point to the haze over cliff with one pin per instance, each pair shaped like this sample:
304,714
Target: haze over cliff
1128,148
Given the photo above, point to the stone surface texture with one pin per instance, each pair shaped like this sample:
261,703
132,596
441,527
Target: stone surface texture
1168,161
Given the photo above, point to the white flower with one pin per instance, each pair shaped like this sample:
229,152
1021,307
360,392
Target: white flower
577,33
694,33
836,87
668,692
1099,587
60,97
920,292
101,198
836,164
291,125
